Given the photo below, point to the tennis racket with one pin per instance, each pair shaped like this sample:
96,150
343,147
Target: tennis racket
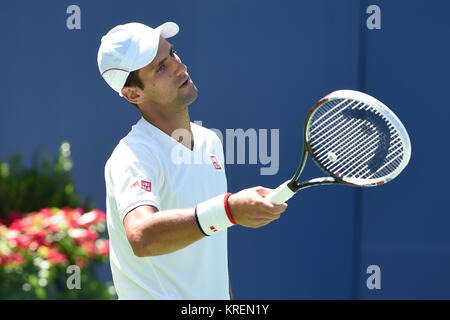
355,139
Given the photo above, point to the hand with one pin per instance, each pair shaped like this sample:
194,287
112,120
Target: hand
250,209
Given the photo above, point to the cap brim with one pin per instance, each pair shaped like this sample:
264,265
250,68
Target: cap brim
168,29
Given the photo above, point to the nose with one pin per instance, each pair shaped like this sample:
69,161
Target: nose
180,67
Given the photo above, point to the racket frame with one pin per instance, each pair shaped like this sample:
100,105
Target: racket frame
295,186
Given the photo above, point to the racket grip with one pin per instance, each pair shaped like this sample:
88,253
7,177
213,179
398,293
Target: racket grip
281,194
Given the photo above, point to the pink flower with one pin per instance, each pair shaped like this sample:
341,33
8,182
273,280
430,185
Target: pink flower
92,217
72,216
16,258
53,228
13,258
13,216
56,257
80,262
103,248
39,239
18,225
29,241
83,235
22,240
89,247
101,216
4,259
46,213
92,235
73,223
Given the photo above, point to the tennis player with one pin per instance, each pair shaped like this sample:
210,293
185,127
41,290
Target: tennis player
167,219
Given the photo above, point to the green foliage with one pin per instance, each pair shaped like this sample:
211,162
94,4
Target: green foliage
48,183
45,230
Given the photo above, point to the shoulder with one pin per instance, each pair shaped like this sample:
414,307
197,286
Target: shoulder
133,149
129,152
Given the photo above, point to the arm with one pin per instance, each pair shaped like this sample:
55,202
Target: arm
152,232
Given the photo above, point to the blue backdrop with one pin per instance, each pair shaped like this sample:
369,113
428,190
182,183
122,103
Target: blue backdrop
262,65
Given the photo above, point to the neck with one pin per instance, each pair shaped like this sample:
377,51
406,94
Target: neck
175,123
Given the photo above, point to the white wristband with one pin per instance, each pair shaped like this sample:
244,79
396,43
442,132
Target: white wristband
214,215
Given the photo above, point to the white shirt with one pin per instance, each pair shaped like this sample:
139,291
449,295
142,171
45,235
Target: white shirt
148,167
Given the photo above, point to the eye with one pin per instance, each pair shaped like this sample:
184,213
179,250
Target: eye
161,68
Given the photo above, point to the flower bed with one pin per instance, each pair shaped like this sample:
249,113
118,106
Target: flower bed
36,250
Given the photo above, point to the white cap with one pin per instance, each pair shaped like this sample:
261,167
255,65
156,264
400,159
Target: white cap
129,47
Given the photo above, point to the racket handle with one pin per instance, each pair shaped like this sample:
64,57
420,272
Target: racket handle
281,194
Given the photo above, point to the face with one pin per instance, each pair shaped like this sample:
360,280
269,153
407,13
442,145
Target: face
166,81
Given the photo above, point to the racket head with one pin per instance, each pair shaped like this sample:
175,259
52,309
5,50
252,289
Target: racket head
356,139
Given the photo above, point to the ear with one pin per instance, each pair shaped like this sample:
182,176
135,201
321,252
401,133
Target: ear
133,94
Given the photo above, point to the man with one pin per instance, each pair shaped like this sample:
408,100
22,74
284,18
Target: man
167,218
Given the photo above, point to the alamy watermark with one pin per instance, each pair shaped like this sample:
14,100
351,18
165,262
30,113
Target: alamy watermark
74,278
73,21
262,146
374,20
374,280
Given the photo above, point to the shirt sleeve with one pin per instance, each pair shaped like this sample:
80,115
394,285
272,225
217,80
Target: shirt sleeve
133,175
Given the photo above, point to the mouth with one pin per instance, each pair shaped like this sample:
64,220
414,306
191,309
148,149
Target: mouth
185,83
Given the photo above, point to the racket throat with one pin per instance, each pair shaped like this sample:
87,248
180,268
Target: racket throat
296,186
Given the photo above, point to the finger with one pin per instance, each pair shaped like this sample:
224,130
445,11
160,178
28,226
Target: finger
271,207
261,223
260,215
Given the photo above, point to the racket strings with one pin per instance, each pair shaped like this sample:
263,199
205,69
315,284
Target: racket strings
323,123
361,164
359,149
336,141
391,162
348,128
354,158
354,140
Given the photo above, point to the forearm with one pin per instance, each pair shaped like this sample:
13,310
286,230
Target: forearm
164,232
152,232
